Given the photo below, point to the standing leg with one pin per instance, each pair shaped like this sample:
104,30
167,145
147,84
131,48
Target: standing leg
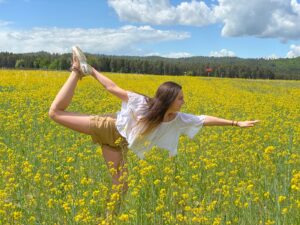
118,162
75,121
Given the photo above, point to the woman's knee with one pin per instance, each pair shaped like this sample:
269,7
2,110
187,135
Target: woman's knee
54,113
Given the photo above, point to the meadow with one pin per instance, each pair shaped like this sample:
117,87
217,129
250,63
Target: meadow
225,175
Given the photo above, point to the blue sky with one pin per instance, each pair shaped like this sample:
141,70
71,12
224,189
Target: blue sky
169,28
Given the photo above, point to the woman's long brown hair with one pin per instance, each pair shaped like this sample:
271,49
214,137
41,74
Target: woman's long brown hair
157,106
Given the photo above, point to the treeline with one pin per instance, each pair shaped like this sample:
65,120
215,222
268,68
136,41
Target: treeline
193,66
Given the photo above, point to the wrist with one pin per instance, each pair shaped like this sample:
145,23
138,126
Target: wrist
94,73
234,123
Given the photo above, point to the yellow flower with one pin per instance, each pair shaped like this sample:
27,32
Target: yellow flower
124,217
250,187
281,198
37,177
135,192
269,222
70,159
50,203
187,208
217,221
86,181
200,219
211,206
115,196
180,217
195,177
96,193
78,217
159,207
185,196
32,219
81,202
112,171
295,181
269,149
17,215
66,207
284,211
267,194
156,182
162,193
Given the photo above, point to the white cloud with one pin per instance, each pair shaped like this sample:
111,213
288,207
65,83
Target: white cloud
5,23
178,55
172,54
160,12
272,56
260,18
106,41
294,52
222,53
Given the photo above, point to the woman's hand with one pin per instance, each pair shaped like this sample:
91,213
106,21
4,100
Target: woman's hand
247,123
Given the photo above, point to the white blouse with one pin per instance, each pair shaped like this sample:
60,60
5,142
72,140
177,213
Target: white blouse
165,136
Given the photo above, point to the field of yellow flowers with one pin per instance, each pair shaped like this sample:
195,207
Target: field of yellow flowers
225,175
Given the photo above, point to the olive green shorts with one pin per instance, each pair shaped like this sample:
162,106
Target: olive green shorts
104,132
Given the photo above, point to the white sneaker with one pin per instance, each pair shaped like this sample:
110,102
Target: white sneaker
85,68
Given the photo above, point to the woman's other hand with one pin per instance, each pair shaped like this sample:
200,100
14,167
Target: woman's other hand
247,123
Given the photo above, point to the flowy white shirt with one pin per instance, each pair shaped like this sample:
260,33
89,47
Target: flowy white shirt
165,135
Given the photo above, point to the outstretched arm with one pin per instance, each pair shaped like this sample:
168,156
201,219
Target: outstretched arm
110,86
215,121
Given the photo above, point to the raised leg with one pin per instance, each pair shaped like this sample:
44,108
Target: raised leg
75,121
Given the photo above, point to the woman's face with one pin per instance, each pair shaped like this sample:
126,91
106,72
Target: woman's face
178,102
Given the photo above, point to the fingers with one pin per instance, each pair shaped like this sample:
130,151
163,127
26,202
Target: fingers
253,121
250,123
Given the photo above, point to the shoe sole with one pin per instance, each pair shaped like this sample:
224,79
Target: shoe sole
79,54
82,60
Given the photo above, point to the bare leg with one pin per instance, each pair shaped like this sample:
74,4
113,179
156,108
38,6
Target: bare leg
118,160
115,161
75,121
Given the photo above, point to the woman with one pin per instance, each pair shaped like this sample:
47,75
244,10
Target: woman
141,123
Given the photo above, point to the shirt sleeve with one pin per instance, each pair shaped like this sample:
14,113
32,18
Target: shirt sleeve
135,100
191,124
